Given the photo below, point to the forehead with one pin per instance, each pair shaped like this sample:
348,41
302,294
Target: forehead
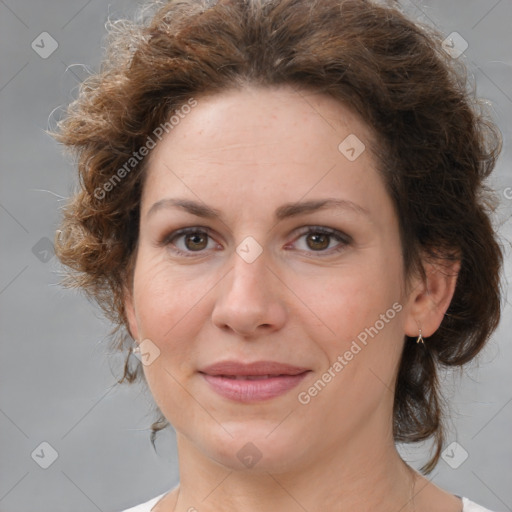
267,138
257,110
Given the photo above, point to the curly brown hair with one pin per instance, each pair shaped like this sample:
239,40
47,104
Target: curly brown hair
436,147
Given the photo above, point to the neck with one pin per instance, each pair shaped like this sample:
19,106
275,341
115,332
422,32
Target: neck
364,474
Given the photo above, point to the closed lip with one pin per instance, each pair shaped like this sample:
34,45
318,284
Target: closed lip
257,368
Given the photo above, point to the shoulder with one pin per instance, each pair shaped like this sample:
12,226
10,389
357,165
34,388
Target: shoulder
146,506
469,506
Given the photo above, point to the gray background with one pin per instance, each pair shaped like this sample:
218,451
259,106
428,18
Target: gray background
56,383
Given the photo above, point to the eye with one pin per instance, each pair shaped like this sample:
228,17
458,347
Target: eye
193,239
187,241
318,239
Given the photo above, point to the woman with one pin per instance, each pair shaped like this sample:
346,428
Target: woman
283,204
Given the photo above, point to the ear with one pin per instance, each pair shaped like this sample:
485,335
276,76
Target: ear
430,297
131,317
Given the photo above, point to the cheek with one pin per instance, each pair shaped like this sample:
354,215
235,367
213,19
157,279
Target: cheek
165,297
168,303
172,306
348,300
361,345
358,319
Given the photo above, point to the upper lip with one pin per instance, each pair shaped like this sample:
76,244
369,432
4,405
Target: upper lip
256,368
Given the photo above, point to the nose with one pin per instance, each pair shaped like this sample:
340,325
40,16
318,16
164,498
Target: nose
250,299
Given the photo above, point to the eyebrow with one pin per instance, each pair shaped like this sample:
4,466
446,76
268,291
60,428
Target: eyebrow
286,210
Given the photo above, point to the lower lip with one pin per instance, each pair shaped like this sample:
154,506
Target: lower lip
253,390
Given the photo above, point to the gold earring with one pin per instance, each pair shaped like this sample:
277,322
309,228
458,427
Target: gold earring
420,338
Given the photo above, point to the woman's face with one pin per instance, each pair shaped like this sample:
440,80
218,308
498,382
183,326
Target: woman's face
259,278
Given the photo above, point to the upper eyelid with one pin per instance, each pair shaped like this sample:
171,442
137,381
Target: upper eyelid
302,231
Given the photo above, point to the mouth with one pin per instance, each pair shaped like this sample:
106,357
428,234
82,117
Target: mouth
254,382
251,377
255,369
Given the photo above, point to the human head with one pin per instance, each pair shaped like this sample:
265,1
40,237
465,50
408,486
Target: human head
433,148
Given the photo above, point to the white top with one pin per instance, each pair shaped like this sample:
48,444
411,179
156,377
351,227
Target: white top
468,506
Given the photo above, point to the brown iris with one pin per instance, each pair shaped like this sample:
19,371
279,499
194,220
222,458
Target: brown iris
321,240
199,241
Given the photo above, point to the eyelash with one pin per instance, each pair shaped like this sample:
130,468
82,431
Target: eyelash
338,235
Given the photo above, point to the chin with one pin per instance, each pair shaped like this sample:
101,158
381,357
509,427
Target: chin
258,449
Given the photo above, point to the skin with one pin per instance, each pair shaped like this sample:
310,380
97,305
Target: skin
247,152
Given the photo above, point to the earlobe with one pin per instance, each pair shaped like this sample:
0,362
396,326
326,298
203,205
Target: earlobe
431,298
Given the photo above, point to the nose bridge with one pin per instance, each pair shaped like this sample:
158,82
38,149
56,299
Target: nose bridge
250,259
248,298
249,274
